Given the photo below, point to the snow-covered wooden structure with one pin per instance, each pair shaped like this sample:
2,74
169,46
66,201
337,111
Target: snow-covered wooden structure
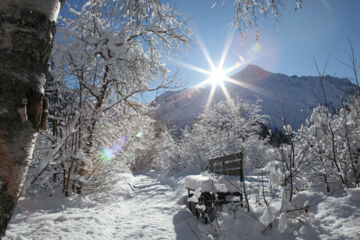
228,165
208,193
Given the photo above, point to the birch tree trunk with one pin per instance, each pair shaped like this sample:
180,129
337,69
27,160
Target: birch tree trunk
27,29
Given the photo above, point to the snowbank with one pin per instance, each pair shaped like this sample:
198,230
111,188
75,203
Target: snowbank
124,188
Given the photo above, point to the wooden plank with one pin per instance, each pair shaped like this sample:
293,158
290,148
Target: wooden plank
225,161
227,157
233,172
224,158
228,165
218,168
237,164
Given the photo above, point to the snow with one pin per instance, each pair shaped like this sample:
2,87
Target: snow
267,217
339,217
50,7
139,207
148,206
282,222
207,183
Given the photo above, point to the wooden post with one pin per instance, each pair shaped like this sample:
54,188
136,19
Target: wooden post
241,166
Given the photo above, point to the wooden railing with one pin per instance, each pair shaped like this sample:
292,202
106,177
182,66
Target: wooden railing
228,165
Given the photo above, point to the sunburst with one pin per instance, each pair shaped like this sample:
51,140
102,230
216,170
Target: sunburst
218,75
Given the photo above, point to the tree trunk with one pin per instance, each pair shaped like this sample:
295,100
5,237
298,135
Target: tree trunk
26,37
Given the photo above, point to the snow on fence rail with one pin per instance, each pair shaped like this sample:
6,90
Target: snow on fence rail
207,194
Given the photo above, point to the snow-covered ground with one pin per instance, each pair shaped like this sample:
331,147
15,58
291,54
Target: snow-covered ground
147,207
140,207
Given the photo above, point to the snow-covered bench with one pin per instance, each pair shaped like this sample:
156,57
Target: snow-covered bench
208,193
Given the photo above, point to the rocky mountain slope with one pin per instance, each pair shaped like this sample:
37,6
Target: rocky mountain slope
288,98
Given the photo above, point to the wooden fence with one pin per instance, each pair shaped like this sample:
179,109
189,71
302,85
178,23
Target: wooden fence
228,165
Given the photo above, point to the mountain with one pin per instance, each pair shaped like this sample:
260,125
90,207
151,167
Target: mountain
291,97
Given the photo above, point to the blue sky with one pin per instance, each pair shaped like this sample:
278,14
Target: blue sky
320,29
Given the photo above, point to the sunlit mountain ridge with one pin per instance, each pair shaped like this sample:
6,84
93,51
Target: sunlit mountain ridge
286,99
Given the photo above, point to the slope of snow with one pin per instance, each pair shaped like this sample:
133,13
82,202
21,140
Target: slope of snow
292,97
338,217
334,218
147,207
139,207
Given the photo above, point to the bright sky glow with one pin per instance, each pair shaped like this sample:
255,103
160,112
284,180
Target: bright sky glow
217,75
320,28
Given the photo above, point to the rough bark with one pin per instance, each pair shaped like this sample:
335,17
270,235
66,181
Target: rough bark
26,37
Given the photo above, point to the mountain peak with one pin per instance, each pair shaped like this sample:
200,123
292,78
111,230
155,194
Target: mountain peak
252,73
251,68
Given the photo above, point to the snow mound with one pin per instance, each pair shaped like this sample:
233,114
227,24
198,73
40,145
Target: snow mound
339,217
124,188
354,195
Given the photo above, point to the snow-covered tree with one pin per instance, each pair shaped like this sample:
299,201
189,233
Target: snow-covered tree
222,129
247,12
333,144
325,151
105,54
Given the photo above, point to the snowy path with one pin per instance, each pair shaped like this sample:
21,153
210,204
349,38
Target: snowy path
155,211
151,213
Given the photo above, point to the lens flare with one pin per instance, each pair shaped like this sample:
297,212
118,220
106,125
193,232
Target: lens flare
139,134
107,154
256,47
326,4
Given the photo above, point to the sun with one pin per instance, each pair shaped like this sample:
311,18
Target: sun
217,76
